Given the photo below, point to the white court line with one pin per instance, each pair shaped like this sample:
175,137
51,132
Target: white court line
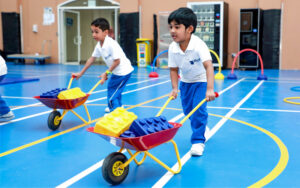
256,109
96,166
26,106
135,83
26,117
82,174
163,180
99,164
12,97
132,90
99,91
89,101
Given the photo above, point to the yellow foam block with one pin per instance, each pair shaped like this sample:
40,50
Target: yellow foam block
115,123
73,93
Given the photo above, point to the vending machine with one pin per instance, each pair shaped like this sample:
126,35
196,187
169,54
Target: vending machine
212,27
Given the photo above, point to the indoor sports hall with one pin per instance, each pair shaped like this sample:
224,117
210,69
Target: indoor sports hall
252,133
87,97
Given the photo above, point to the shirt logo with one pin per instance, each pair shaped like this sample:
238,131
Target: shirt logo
195,61
107,56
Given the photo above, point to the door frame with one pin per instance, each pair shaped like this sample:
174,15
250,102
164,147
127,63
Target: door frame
61,7
78,38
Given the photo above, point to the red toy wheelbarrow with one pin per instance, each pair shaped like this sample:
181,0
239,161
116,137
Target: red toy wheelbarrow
116,165
55,117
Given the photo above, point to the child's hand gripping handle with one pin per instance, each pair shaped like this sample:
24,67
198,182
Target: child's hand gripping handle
165,105
196,108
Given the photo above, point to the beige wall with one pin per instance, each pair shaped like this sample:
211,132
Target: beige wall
33,41
156,6
33,14
290,38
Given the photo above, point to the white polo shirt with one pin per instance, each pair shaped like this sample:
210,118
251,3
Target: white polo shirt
110,51
3,68
190,62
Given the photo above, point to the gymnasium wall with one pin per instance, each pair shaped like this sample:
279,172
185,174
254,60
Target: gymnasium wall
33,41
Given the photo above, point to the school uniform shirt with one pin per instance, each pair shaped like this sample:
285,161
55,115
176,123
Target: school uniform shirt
3,68
110,51
190,62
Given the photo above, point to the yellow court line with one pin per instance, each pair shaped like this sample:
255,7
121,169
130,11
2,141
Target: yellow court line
68,130
284,154
287,100
45,139
284,157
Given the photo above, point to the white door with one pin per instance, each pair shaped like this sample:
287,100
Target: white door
71,37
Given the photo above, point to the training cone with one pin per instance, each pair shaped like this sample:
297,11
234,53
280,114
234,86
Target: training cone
219,76
153,75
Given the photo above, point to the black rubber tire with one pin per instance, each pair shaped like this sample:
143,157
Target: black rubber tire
107,168
54,124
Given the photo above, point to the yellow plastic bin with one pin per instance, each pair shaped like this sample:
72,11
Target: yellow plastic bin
144,51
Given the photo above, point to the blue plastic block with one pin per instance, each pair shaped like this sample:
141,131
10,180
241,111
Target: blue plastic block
127,134
139,127
53,93
149,125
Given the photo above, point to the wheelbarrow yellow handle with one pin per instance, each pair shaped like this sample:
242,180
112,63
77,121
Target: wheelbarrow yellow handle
95,86
165,105
196,108
70,82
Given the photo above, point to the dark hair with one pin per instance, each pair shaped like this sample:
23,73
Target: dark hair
102,23
184,16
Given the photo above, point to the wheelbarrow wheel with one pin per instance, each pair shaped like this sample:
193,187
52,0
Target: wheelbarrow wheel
53,120
111,171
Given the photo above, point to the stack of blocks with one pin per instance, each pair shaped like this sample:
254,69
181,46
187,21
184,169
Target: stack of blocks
115,123
71,94
145,126
53,93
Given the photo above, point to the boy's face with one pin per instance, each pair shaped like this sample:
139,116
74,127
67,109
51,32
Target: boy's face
179,32
98,34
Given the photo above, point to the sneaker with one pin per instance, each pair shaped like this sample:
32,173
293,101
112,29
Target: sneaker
107,110
7,117
197,149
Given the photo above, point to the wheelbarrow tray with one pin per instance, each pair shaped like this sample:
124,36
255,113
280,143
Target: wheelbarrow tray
142,143
65,104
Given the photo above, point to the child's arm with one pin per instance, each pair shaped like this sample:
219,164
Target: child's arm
109,70
174,80
88,63
210,94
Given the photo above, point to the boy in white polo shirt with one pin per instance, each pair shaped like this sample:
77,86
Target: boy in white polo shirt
118,64
191,56
5,113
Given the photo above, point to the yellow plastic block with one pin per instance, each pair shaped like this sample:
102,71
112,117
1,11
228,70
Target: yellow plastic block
73,93
115,123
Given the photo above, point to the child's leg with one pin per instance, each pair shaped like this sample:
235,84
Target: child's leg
191,95
115,88
4,109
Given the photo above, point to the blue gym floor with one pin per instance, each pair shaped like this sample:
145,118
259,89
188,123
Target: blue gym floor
253,135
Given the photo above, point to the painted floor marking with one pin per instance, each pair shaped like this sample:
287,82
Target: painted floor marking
66,131
284,154
89,101
162,182
86,172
